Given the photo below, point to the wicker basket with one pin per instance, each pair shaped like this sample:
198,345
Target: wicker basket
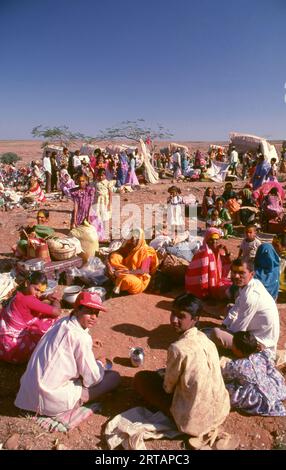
65,251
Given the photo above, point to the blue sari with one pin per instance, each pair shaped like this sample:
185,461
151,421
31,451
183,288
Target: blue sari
267,268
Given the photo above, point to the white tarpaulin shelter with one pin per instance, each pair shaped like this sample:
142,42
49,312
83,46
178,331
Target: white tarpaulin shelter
217,171
246,143
151,174
52,148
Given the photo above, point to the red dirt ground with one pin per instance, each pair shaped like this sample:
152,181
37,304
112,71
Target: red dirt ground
141,320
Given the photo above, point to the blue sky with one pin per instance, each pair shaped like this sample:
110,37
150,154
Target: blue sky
201,68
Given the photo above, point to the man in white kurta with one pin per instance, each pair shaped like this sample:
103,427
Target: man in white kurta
63,372
255,310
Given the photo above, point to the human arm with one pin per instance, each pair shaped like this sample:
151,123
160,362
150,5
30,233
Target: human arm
39,308
74,215
90,369
243,311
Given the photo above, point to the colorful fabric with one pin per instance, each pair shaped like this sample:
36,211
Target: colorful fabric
272,206
205,272
255,386
267,268
84,200
260,174
21,327
67,420
134,283
102,198
37,193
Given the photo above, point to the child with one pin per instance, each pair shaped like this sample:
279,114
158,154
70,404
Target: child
214,220
208,201
253,383
103,197
272,174
249,244
175,214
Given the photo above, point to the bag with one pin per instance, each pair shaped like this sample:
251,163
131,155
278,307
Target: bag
87,235
174,267
38,248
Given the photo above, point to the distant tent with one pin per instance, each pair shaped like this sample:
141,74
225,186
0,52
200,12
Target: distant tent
245,143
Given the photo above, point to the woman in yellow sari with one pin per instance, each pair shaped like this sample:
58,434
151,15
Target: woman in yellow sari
132,265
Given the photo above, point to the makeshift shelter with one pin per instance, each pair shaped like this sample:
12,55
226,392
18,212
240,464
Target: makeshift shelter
246,143
151,174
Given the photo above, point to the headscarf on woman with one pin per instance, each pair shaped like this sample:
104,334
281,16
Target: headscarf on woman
141,257
206,273
267,268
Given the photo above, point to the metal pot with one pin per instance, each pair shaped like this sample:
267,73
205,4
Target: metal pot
34,265
98,290
71,293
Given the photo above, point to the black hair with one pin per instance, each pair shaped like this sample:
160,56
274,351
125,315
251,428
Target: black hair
187,303
240,262
45,212
248,226
245,342
281,237
101,171
220,199
174,188
37,277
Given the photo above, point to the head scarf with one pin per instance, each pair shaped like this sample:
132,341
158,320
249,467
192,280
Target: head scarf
267,268
210,232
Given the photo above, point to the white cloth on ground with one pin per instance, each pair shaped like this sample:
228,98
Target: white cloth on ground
133,426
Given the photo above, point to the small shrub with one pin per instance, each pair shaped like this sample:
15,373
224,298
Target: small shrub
9,158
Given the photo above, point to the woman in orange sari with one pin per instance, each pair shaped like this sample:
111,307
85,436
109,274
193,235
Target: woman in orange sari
132,265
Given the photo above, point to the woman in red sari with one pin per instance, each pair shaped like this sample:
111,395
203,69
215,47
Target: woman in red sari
206,275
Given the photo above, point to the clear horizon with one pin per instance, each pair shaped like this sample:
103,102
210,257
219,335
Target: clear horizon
201,69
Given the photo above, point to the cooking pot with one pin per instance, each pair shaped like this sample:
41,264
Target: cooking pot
70,294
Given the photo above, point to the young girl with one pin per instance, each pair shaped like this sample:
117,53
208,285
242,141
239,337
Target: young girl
214,220
103,196
175,214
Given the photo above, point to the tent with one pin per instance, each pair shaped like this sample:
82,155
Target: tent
246,142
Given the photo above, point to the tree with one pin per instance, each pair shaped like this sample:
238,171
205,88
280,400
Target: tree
134,131
59,135
9,158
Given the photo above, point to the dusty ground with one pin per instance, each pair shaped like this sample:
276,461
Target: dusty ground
141,320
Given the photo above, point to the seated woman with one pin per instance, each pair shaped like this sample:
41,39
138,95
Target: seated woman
248,208
272,207
253,383
132,265
267,268
208,202
25,319
41,230
66,183
229,193
206,275
35,193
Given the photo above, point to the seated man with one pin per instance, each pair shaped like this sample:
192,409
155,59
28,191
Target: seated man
192,391
62,373
254,310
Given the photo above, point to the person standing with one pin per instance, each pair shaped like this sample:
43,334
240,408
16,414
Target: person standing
47,167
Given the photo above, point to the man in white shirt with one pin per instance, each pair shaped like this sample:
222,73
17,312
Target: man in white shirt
63,373
47,167
254,310
233,160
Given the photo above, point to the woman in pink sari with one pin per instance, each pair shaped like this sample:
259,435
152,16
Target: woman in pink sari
25,319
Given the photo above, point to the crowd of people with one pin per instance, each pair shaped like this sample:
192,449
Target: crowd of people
208,371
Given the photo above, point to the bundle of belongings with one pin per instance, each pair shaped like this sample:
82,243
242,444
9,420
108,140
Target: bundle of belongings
175,256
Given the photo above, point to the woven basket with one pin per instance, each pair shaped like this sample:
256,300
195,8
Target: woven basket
61,253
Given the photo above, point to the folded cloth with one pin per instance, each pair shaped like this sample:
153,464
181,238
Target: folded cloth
67,420
136,424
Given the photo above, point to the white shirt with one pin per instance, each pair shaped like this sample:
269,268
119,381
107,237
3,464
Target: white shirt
47,164
62,362
233,156
176,158
255,310
76,161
